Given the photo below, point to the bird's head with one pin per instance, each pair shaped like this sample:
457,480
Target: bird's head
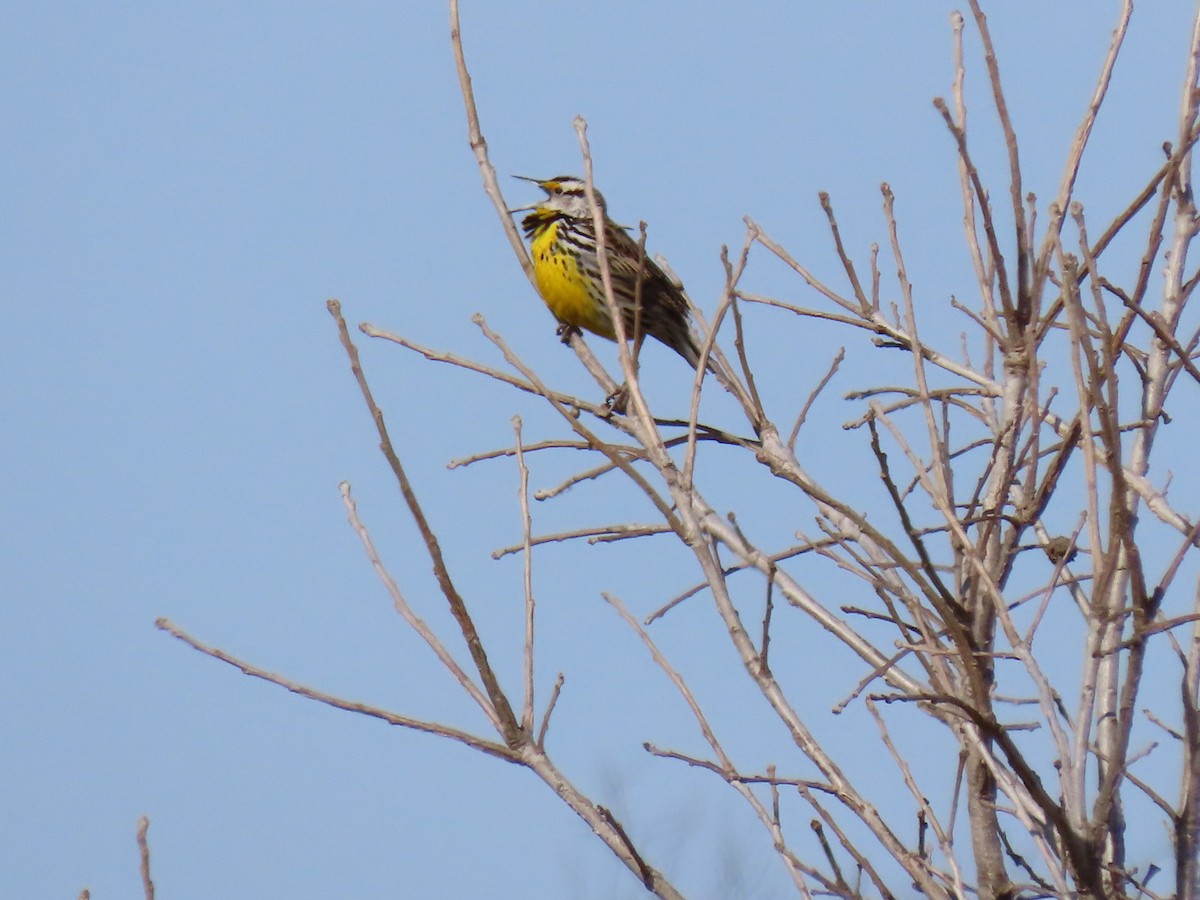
565,196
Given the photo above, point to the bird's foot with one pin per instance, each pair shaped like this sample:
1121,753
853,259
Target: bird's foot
618,401
565,332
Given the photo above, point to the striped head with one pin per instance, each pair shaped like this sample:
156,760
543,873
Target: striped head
566,197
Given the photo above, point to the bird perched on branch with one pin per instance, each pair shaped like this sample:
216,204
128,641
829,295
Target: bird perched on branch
566,267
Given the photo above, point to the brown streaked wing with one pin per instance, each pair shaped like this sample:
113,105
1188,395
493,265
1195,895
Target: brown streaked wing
657,288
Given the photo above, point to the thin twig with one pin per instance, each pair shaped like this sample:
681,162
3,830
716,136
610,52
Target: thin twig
415,622
491,748
596,534
554,692
144,854
812,397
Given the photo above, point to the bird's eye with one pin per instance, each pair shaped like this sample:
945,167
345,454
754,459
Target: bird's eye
557,189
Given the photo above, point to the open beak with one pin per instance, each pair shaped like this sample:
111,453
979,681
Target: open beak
531,206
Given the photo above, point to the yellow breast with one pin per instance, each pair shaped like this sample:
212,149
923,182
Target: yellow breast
564,286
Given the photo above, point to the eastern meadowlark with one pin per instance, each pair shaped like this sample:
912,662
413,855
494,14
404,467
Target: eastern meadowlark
566,266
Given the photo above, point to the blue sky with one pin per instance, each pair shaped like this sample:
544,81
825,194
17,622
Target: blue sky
186,184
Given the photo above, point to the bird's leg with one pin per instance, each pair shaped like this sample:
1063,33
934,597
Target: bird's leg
618,400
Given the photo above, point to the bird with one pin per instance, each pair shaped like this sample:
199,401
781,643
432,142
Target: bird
566,267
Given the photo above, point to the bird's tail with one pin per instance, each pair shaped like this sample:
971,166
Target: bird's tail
687,346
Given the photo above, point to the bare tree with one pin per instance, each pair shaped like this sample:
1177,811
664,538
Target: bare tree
1048,413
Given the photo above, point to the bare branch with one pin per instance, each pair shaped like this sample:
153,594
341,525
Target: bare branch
479,145
526,575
